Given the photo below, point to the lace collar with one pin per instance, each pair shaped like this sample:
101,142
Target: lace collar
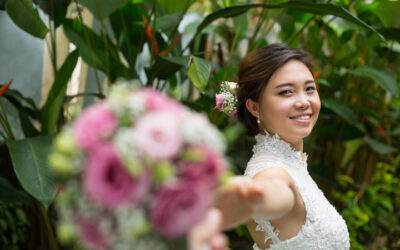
274,144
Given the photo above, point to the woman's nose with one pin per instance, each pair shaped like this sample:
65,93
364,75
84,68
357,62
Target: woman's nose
302,102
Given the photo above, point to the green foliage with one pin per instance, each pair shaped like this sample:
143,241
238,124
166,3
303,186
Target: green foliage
29,158
199,72
373,209
13,227
51,109
26,17
354,142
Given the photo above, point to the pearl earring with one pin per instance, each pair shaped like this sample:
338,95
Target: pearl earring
258,120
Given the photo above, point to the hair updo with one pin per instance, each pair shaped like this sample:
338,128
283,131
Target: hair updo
255,70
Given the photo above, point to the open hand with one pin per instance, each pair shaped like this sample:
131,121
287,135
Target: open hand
207,234
237,201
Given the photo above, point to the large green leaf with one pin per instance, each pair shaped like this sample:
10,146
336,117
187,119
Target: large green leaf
378,146
340,109
388,12
29,158
92,49
10,195
26,17
320,9
381,77
51,109
199,72
102,8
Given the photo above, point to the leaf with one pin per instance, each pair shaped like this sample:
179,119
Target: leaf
340,109
29,158
386,202
10,195
350,149
51,109
92,49
26,124
164,67
22,103
26,17
381,77
378,146
388,12
102,8
199,72
320,9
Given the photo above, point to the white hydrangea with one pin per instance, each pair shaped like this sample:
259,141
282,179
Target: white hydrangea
196,129
131,222
125,103
125,143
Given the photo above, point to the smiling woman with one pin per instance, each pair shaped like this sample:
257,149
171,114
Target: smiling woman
277,199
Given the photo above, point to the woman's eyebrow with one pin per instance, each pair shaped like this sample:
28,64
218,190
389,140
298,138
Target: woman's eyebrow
288,84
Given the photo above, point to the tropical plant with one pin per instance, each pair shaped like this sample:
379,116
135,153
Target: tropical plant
354,46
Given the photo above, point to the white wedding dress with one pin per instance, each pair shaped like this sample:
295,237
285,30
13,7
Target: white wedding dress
324,227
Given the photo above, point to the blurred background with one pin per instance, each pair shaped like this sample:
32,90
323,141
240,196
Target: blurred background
59,56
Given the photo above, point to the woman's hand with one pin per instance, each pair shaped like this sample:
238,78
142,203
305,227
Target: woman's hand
237,201
207,234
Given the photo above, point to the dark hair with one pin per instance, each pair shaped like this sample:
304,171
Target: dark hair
255,70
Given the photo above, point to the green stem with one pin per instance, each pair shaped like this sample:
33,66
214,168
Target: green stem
153,31
104,36
302,29
128,45
49,230
304,26
90,50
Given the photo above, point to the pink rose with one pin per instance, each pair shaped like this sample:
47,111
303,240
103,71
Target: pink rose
219,100
208,170
179,207
158,135
91,234
93,126
155,100
107,182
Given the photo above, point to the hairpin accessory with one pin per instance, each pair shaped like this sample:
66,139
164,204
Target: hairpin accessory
226,100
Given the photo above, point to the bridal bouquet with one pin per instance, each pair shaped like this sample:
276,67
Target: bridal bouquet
137,171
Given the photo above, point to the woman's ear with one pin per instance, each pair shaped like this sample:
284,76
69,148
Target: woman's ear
253,107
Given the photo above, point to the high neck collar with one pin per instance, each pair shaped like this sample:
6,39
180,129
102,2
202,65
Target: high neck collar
274,144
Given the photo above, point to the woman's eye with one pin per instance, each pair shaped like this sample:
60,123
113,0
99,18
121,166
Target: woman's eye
285,92
310,89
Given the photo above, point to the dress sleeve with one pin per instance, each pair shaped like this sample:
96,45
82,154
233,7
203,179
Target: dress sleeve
260,162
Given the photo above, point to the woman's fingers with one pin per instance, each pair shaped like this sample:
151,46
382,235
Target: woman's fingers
208,232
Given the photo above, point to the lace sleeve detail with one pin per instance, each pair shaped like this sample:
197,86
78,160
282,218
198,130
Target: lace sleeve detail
260,162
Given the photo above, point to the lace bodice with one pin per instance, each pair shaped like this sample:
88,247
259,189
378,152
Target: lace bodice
324,227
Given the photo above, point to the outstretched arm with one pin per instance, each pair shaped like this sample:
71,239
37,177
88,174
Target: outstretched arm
269,195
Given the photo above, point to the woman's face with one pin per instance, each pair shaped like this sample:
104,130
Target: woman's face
289,104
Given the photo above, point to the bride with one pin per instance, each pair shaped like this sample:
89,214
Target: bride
276,198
